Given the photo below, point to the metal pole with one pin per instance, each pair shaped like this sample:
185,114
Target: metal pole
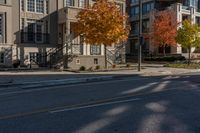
140,37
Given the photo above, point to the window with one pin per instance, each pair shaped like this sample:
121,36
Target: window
77,49
1,24
134,46
34,57
40,6
95,49
134,1
31,5
147,7
37,6
22,5
82,3
2,1
135,11
47,6
145,26
134,27
30,34
198,20
39,32
96,61
69,2
77,61
2,56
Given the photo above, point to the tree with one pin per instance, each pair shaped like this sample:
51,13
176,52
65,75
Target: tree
103,23
163,29
188,36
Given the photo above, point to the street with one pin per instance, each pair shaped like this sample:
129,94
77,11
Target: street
158,104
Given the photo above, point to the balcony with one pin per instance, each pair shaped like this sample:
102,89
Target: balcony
68,13
36,38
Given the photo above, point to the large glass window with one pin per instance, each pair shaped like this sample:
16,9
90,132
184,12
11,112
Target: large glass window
22,5
2,1
95,49
69,2
47,6
40,6
31,5
147,7
30,33
82,3
37,6
77,49
135,28
134,10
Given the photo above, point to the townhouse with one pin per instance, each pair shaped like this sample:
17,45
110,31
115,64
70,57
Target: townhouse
39,33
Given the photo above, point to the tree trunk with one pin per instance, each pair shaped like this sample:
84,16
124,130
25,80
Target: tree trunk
189,55
105,55
164,53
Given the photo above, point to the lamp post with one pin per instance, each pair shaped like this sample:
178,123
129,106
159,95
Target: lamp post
140,38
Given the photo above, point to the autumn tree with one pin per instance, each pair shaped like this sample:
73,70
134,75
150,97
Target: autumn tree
188,36
103,23
163,29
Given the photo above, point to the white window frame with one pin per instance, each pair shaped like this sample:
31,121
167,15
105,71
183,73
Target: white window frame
35,7
69,1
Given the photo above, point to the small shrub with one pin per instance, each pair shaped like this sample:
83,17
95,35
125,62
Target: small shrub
128,65
82,68
16,63
97,67
113,66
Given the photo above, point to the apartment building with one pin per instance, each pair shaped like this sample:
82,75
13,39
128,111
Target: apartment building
184,9
40,33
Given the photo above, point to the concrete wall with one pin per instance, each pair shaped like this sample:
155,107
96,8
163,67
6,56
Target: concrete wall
87,61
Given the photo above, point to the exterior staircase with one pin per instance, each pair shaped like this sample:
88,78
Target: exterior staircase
117,55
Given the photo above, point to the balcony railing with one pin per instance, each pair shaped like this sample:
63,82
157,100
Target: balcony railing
41,38
185,7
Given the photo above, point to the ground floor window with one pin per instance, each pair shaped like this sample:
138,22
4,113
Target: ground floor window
95,49
77,49
34,57
2,56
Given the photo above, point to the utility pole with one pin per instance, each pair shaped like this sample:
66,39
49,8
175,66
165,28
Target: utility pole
140,38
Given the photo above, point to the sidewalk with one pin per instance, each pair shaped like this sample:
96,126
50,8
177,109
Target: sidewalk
38,76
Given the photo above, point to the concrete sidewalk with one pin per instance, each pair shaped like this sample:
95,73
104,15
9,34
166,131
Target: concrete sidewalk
38,76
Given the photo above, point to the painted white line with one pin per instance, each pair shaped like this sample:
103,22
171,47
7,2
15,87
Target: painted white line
95,105
65,86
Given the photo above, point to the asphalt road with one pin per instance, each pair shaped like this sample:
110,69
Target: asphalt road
168,104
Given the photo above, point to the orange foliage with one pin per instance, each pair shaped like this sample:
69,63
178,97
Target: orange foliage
164,29
103,23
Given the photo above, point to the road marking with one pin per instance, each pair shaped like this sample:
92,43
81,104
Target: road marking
95,105
76,106
67,86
